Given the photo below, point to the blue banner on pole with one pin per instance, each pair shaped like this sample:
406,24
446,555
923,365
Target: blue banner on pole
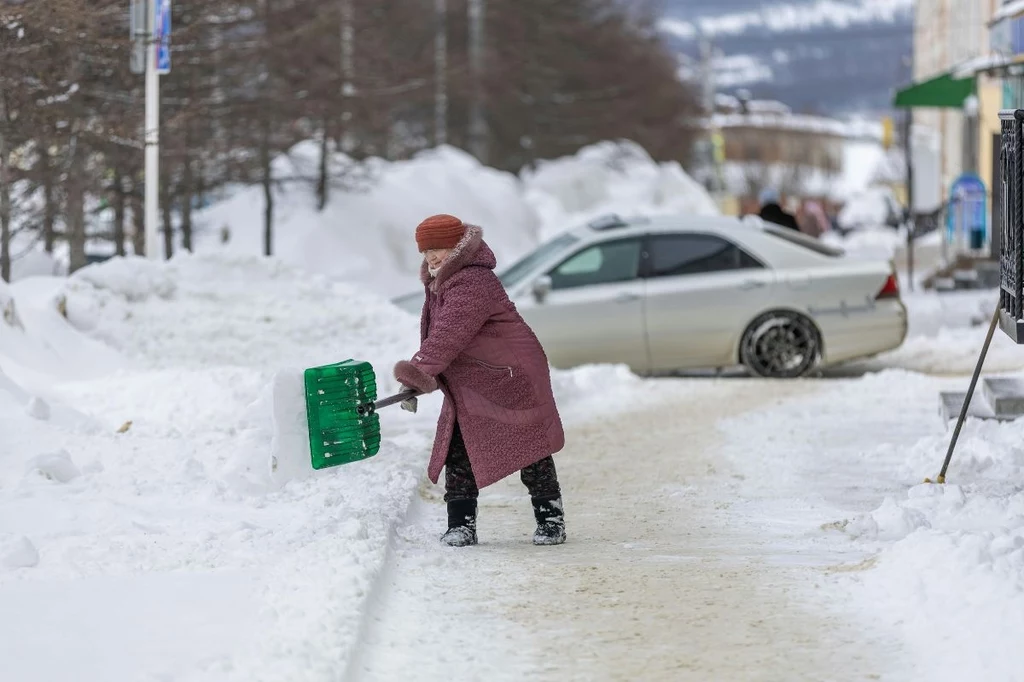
162,35
967,217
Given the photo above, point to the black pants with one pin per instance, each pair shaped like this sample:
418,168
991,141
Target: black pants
540,478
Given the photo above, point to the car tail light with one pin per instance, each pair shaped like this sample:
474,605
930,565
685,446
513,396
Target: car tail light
890,290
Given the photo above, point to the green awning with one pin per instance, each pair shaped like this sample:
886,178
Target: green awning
941,91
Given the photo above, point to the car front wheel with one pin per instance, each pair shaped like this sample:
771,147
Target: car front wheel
780,345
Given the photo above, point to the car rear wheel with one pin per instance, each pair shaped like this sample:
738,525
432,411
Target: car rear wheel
780,345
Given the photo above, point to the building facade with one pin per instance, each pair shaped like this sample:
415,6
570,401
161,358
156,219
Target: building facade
951,40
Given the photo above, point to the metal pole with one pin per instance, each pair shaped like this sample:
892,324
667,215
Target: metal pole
152,135
967,398
908,152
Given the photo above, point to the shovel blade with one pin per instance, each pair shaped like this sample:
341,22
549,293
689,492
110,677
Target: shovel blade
338,434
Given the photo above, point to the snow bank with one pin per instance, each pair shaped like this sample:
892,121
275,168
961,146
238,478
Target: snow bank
162,518
365,233
945,335
950,570
610,177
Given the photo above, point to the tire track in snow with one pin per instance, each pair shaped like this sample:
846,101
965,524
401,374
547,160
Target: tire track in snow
654,583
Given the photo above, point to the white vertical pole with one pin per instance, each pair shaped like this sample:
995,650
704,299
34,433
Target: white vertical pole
152,136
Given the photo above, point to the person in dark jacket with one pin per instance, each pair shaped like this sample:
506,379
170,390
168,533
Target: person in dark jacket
772,211
499,415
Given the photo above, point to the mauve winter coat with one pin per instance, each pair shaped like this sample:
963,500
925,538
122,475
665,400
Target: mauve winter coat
488,363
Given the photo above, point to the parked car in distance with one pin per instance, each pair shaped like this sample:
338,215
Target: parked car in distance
674,293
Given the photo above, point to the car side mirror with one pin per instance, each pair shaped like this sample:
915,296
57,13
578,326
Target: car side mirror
541,288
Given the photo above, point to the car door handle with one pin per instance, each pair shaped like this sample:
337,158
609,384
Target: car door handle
751,284
626,298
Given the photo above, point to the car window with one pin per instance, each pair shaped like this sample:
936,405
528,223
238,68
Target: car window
692,254
528,263
617,261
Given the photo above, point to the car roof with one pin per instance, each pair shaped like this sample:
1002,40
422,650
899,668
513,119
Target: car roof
793,250
615,225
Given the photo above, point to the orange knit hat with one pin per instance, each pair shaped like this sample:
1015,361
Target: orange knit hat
440,231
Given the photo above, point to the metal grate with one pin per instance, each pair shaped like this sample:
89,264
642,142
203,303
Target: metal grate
1011,248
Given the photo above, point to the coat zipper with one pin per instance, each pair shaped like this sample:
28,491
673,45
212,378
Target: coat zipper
494,367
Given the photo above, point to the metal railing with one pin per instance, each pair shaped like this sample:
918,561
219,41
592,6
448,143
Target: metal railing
1011,243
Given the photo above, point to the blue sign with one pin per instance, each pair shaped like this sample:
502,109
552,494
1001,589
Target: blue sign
967,214
162,35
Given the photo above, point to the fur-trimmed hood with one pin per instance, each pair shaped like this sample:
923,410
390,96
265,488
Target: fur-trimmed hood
471,250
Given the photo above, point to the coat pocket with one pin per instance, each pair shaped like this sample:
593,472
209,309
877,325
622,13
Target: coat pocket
495,368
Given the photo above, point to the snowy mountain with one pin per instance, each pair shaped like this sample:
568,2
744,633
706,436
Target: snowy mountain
829,56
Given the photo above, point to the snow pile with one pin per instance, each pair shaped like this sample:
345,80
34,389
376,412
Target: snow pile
951,577
610,177
159,515
946,332
365,233
874,206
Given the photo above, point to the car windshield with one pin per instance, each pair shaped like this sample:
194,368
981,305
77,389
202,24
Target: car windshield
516,272
800,239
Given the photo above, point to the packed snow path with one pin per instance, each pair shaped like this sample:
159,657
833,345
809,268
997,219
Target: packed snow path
655,583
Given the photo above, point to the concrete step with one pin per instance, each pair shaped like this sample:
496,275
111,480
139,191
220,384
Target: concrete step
1005,395
951,402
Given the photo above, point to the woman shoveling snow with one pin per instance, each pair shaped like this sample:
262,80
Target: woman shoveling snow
499,414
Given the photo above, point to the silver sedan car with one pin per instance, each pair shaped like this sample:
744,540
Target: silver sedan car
677,293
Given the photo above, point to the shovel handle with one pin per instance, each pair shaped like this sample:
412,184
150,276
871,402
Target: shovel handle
369,408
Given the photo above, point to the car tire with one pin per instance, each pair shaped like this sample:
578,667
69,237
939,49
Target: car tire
780,345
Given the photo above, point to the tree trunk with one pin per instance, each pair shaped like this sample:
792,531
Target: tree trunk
165,209
50,208
322,182
268,188
138,220
76,209
120,211
5,209
188,194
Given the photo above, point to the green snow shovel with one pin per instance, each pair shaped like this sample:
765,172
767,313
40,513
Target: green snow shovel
341,410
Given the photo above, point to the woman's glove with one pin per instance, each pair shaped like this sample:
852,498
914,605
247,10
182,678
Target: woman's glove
412,376
409,404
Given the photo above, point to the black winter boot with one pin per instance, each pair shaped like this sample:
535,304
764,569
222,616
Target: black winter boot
550,522
461,524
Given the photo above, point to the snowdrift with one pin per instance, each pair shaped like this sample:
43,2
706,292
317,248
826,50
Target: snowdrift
950,570
364,234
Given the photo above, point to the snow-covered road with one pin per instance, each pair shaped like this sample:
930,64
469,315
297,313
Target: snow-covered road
659,581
